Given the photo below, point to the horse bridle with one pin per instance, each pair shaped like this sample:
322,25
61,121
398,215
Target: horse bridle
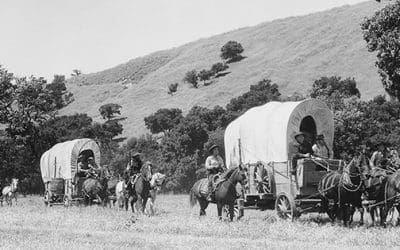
239,169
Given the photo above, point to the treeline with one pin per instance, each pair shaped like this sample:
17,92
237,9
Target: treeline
30,125
184,139
178,142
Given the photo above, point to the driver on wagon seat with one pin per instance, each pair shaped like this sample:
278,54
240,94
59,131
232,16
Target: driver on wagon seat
214,165
304,150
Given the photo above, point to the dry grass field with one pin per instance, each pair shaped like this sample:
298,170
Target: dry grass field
31,225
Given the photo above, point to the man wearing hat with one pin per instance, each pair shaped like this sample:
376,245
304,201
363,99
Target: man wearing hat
304,150
214,165
320,149
134,166
379,156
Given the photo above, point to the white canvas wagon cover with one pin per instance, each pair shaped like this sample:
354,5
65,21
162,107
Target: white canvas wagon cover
61,160
267,132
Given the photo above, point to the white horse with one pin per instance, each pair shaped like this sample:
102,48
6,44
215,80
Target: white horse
9,192
157,180
120,192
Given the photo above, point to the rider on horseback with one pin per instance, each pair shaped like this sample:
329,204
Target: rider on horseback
133,168
214,165
379,157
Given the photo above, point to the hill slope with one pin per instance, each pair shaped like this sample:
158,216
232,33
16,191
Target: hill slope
292,52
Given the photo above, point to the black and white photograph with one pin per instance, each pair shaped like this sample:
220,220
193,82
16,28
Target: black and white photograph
199,124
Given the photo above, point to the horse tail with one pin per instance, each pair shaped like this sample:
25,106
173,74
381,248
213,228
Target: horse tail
192,198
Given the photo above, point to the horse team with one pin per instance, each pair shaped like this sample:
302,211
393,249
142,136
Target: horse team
356,187
360,187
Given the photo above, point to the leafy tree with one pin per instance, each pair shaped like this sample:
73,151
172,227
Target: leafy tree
231,51
76,72
163,120
7,90
333,90
25,105
110,110
215,137
205,75
259,94
63,128
172,88
211,118
32,104
191,77
218,67
381,32
59,91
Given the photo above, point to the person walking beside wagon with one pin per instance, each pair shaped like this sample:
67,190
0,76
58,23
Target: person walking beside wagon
214,165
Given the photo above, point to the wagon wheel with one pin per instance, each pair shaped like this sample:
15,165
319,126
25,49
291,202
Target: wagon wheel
285,207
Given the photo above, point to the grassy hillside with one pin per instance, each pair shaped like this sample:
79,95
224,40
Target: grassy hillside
293,52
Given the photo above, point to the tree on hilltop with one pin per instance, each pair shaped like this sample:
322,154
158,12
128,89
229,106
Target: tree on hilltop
76,72
232,51
110,110
191,77
219,67
205,75
172,88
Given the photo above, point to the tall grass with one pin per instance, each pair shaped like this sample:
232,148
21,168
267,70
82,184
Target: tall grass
31,225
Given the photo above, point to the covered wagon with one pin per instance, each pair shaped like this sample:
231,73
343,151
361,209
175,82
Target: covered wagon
59,165
263,140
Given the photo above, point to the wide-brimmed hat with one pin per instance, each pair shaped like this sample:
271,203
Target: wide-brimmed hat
298,134
136,154
149,163
90,158
212,148
320,137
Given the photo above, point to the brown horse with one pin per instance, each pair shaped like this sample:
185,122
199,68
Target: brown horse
375,185
391,196
95,187
225,192
345,189
138,189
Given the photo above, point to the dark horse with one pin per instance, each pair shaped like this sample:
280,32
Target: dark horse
225,192
375,185
139,190
345,189
95,187
391,196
